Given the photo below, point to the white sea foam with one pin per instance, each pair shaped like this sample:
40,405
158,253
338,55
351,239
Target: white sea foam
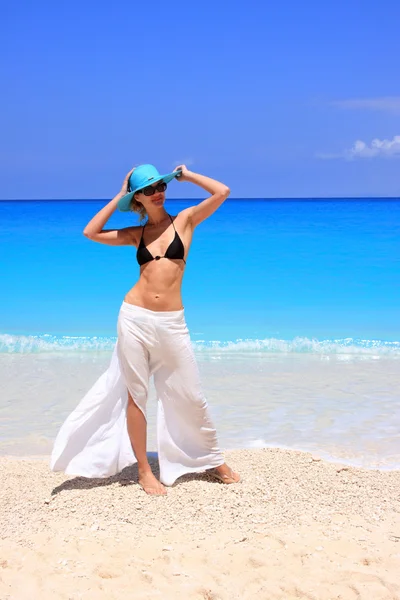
346,348
27,344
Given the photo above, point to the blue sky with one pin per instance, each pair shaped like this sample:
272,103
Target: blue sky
275,99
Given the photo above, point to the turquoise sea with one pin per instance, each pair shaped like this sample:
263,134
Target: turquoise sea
294,287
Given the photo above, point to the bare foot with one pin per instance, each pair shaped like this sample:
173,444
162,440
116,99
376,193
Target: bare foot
151,485
225,474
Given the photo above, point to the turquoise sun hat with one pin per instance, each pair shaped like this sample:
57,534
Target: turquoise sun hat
141,177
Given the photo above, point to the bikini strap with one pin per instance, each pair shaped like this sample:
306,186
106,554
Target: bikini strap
172,221
141,237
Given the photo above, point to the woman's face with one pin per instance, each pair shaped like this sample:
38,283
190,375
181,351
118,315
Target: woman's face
152,195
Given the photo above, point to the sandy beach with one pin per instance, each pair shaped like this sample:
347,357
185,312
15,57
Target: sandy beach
295,527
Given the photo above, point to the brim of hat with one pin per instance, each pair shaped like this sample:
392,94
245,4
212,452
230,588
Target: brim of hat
124,204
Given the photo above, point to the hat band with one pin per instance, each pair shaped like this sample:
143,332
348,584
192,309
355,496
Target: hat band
144,183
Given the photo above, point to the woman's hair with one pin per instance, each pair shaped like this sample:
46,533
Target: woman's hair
138,207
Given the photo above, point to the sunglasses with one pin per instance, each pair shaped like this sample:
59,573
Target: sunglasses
150,190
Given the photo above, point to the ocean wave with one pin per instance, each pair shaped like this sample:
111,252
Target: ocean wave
46,343
304,345
27,344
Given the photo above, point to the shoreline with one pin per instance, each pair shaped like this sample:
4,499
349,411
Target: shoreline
344,411
314,456
295,527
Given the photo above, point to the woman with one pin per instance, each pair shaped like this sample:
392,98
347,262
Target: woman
107,431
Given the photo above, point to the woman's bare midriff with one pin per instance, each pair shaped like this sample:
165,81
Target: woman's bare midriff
159,286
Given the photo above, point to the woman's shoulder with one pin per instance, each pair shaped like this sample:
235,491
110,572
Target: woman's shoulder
133,233
183,216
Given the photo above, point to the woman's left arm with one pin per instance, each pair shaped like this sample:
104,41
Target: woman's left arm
207,207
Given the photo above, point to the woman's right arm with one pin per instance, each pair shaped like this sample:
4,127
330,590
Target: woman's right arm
114,237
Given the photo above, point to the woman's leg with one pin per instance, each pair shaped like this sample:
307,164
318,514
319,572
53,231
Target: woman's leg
187,439
137,430
134,361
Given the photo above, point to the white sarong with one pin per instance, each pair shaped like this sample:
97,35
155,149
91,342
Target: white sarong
94,440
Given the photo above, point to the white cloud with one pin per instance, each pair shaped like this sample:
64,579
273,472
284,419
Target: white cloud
185,161
386,104
327,156
385,148
376,149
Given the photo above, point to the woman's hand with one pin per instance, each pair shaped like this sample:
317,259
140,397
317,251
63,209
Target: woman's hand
124,188
185,173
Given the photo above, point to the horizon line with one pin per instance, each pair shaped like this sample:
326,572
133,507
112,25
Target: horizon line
262,198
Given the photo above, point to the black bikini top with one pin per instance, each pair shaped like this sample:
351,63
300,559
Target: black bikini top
175,250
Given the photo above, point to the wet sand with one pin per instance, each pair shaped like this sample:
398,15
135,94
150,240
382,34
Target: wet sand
296,527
